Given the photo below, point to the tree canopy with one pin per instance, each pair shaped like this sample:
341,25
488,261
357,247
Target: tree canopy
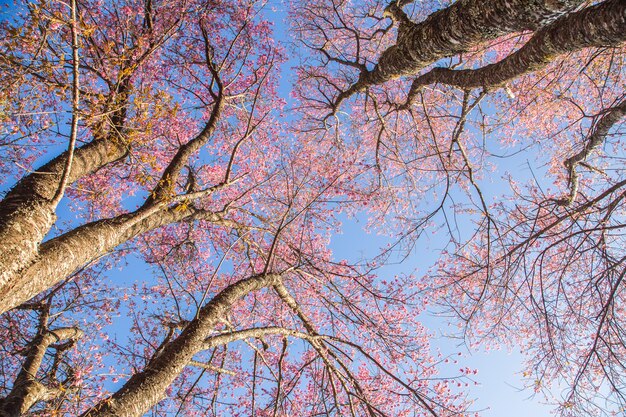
157,132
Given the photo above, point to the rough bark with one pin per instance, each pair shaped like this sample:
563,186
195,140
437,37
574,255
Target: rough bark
27,390
456,29
601,25
58,258
27,212
145,389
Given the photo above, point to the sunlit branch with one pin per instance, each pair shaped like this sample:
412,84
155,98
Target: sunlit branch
597,26
451,31
212,368
75,100
259,332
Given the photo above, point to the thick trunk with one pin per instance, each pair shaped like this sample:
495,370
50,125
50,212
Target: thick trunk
600,25
459,27
27,390
27,212
58,258
456,29
145,389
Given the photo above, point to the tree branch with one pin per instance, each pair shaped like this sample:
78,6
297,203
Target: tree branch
75,99
144,389
601,25
451,31
593,141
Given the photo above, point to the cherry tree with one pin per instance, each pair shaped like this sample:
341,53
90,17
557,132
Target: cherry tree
286,289
141,119
161,129
169,119
362,350
441,96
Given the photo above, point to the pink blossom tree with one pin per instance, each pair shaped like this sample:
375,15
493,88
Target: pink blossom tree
162,130
175,154
441,98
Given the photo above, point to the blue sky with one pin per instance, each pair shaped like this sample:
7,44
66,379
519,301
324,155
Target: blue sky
500,385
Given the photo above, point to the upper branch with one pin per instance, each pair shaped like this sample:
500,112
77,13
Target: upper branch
601,25
172,172
454,30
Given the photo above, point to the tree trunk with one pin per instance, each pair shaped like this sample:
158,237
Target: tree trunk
145,389
27,212
58,258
